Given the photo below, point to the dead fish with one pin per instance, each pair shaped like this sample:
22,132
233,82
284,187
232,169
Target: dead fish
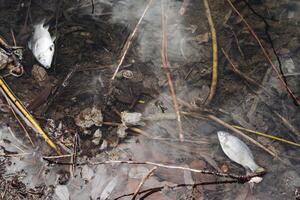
238,151
41,44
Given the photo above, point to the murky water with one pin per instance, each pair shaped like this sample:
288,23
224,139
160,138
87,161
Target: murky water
91,34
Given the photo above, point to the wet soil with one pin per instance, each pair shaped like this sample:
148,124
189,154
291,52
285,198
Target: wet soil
90,38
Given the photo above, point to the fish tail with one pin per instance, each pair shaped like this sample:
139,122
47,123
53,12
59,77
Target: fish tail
40,24
260,169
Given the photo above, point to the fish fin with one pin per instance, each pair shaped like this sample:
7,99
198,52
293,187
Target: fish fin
29,44
40,24
46,27
53,38
260,169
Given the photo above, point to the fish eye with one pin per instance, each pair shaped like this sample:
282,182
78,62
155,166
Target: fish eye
51,48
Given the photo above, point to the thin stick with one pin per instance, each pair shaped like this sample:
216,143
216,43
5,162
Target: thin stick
62,86
142,183
160,188
237,71
20,142
93,6
147,135
268,136
13,37
74,157
288,124
14,155
214,80
21,124
165,64
279,76
215,173
129,40
55,157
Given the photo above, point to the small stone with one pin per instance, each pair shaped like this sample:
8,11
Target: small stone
224,168
39,73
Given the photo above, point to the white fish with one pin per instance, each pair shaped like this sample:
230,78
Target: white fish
41,44
238,151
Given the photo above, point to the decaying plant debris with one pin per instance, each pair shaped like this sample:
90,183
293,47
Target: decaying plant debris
137,91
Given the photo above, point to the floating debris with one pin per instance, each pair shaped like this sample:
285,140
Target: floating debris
39,73
89,117
97,137
238,151
121,132
4,59
41,44
133,118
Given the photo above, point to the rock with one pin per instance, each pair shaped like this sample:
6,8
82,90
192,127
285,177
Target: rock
39,73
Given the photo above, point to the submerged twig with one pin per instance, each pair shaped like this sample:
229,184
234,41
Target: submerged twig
13,37
21,124
93,7
215,173
165,64
237,71
147,135
14,154
214,79
63,85
279,76
14,136
142,182
74,157
288,124
175,186
268,136
129,40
